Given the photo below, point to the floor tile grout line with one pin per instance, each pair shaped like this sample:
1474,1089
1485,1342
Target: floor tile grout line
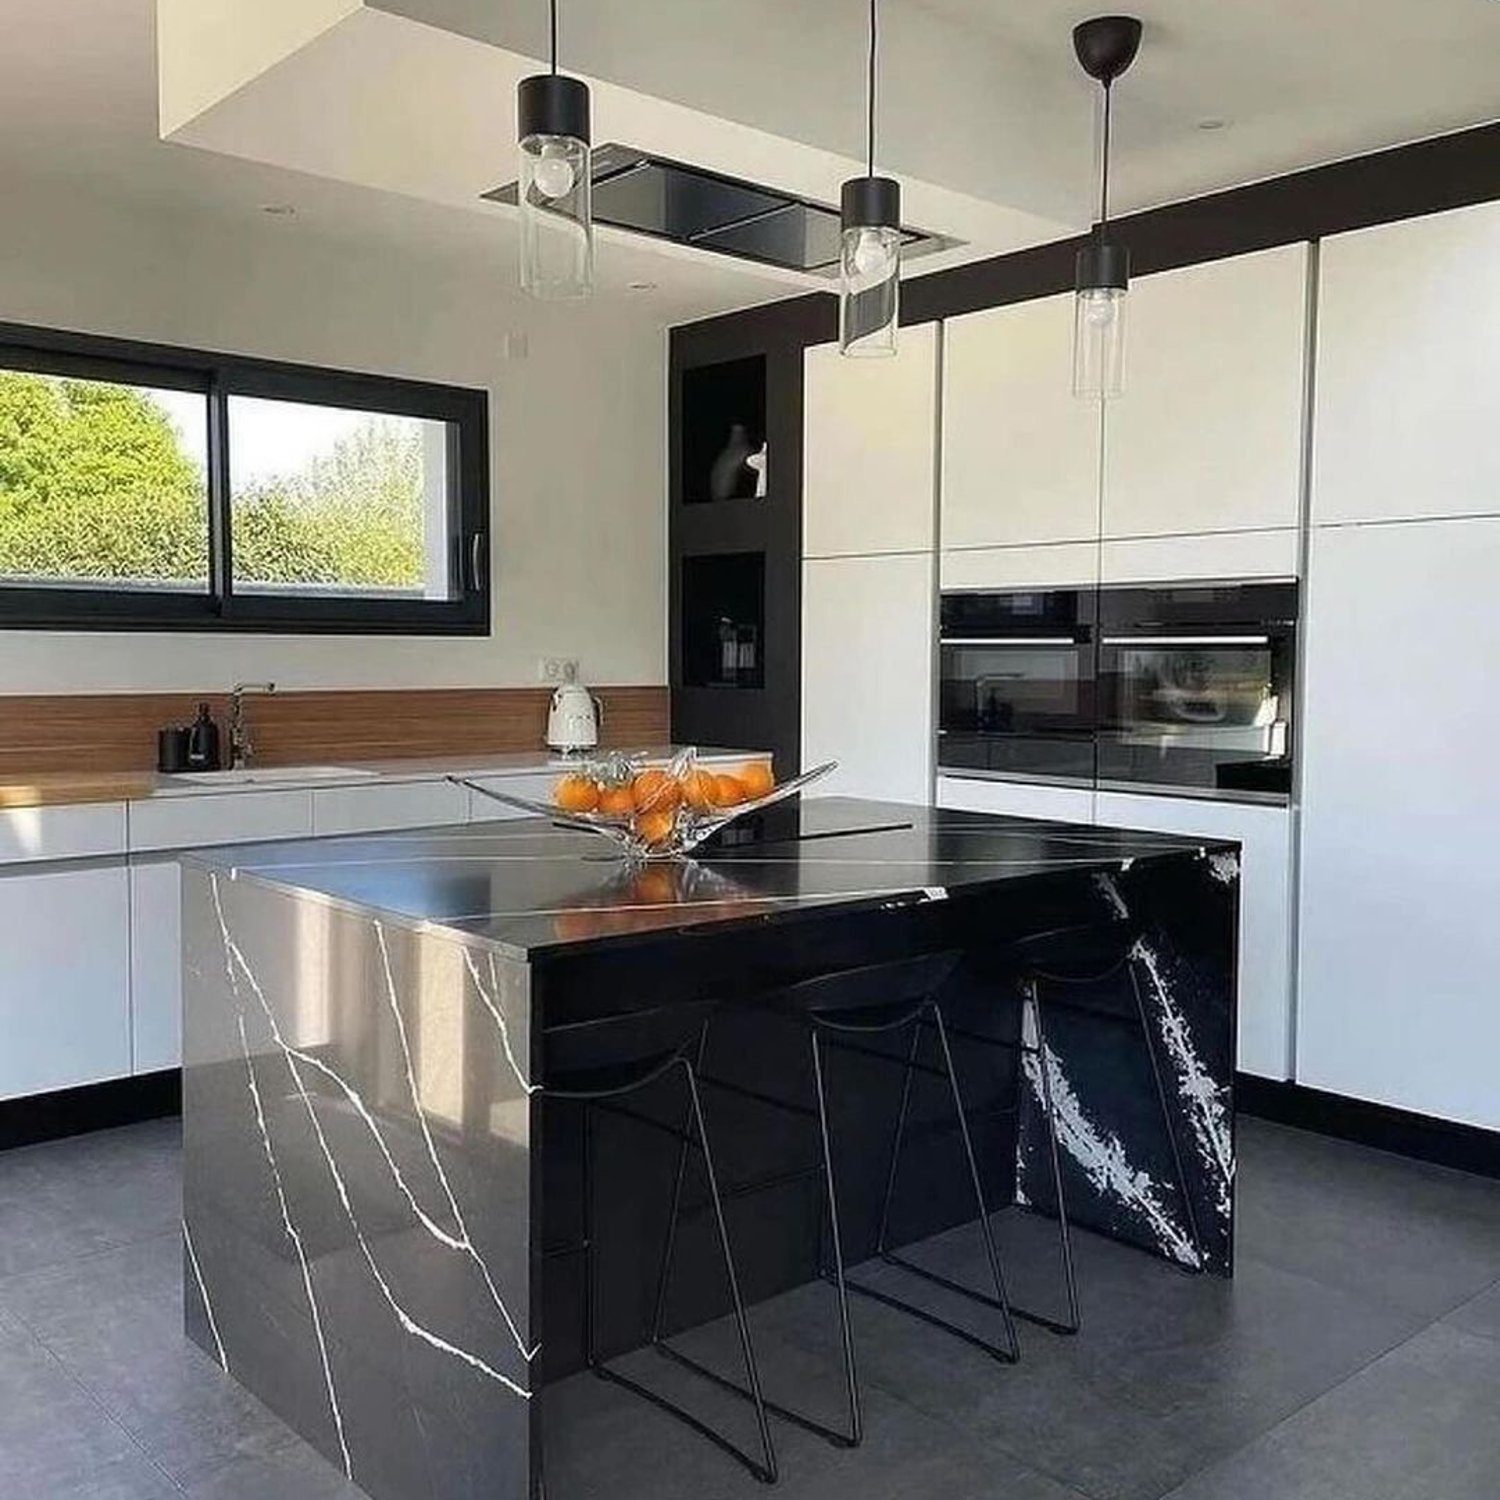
78,1260
104,1410
1478,1333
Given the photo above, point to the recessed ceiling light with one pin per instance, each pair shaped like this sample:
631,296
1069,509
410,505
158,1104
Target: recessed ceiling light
641,286
279,210
1212,124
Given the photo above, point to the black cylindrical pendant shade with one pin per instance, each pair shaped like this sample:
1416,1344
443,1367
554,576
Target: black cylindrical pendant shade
1103,265
550,104
870,203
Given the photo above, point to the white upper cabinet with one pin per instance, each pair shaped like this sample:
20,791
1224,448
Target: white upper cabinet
1020,452
867,627
1408,387
1208,435
869,449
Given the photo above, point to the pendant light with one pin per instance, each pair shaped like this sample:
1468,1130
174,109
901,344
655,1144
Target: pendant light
555,187
1106,47
870,248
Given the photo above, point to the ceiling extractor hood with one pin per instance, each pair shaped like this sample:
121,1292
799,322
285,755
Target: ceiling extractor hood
670,200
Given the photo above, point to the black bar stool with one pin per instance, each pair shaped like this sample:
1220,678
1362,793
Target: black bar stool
593,1064
836,1009
1065,958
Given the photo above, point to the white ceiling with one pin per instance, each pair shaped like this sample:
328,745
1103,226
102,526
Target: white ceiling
981,98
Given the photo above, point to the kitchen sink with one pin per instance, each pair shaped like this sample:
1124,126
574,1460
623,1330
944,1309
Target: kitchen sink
273,775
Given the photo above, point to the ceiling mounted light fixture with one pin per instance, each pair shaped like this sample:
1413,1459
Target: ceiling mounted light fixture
870,243
556,182
1106,47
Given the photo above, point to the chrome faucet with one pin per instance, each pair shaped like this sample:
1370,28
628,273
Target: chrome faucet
240,746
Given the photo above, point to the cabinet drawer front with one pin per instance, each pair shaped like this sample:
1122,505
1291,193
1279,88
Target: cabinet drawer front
1181,559
536,788
369,809
1017,799
196,822
64,979
1063,566
66,832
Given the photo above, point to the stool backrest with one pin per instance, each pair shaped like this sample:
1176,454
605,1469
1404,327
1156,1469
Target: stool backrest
622,1039
906,981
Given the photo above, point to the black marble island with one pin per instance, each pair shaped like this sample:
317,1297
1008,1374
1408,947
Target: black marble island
375,1187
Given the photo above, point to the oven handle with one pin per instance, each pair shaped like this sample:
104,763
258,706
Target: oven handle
1185,640
1009,640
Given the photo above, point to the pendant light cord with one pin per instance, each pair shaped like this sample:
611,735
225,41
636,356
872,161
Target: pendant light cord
1104,173
870,124
552,15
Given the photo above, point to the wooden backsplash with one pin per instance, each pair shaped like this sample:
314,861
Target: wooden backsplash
117,731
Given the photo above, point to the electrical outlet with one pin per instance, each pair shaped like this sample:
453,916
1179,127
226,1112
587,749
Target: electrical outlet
557,669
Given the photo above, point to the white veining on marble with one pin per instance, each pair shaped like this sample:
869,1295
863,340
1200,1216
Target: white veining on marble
1223,865
1102,1156
293,1235
294,1059
208,1306
1206,1100
1111,893
492,1005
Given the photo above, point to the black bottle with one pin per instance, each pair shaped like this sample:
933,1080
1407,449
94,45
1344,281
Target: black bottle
203,742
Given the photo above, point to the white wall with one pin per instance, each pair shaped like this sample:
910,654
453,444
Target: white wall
577,436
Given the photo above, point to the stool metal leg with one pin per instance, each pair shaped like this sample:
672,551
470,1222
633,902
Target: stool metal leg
590,1280
1008,1352
855,1432
898,1140
1166,1119
1044,1071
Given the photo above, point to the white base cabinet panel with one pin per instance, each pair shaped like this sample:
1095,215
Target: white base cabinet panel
1399,979
1264,833
1017,799
155,965
867,648
371,809
65,995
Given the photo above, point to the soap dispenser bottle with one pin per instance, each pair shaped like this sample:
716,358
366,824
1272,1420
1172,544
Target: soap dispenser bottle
203,742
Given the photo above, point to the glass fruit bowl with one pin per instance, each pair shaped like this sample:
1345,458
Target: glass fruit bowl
659,811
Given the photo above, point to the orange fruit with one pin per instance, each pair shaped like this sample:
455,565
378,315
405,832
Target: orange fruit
616,801
729,791
576,794
655,791
757,778
698,789
656,826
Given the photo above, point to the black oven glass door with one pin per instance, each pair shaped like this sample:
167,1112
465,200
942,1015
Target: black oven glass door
1016,694
1196,687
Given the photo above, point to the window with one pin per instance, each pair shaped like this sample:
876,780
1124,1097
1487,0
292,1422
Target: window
148,488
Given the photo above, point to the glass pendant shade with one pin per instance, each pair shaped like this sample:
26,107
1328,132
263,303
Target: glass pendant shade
555,190
1099,322
870,266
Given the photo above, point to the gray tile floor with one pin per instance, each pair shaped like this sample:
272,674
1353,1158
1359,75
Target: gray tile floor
1356,1356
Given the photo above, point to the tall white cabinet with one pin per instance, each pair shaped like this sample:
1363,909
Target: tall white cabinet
869,570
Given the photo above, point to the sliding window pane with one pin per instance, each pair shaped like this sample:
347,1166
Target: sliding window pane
102,484
327,502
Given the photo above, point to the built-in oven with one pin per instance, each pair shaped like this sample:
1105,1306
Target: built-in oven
1195,688
1016,684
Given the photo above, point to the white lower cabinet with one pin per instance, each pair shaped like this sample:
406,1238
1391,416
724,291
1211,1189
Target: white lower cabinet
1400,943
155,965
534,788
64,977
867,647
372,809
1264,834
1017,799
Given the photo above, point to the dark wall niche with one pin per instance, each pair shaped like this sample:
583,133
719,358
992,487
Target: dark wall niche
723,426
724,620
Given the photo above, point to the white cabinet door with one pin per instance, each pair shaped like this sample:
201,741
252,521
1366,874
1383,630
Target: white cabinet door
1208,434
1057,565
867,648
537,787
1265,835
1399,937
64,978
1408,370
197,820
870,449
155,965
64,831
371,809
1181,559
1020,452
1017,799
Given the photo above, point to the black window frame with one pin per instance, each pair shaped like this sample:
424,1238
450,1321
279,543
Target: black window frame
83,606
